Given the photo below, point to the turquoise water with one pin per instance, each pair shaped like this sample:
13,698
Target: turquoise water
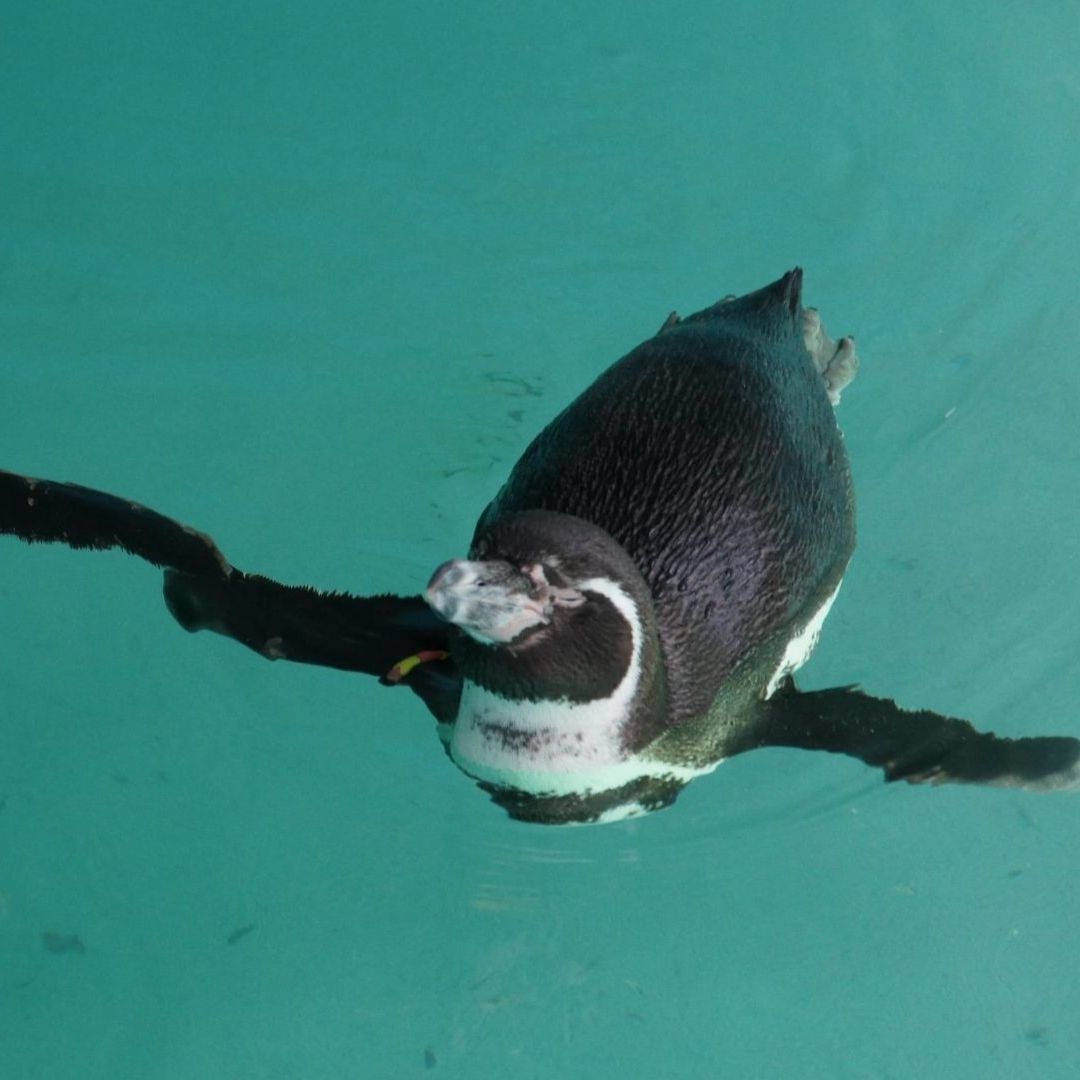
309,277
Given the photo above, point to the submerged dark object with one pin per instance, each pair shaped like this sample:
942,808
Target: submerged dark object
636,598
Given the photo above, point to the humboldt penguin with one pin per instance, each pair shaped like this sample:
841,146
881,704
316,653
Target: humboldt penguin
636,598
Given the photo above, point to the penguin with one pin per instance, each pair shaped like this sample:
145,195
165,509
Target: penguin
636,598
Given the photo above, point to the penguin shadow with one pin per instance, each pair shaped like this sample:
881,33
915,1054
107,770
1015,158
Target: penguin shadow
498,425
484,441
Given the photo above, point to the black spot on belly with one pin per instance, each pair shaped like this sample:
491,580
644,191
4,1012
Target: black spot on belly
514,740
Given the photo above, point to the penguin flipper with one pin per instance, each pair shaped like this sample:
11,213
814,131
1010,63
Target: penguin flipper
397,638
45,511
918,746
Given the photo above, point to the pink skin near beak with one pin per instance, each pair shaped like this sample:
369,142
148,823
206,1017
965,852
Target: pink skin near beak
494,602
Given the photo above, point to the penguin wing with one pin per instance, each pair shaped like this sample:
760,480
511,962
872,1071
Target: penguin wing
917,746
396,638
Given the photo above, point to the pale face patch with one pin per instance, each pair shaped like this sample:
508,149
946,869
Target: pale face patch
495,602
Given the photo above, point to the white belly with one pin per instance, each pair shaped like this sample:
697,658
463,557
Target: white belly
800,647
551,748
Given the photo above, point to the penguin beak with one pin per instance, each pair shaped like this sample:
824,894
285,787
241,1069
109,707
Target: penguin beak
493,601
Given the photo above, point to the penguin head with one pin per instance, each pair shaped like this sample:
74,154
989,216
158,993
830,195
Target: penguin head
547,607
562,672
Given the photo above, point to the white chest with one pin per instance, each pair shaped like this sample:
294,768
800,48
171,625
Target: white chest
551,747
